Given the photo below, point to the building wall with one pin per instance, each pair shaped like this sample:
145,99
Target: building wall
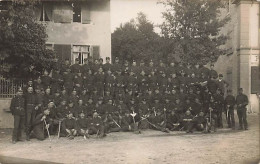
98,32
243,30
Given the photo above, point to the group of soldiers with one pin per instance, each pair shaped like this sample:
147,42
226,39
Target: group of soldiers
95,99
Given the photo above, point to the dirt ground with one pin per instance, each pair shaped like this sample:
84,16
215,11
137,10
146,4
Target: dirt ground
224,146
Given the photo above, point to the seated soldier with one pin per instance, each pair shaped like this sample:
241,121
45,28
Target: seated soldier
187,121
198,123
96,126
126,122
158,121
173,121
69,127
82,123
40,125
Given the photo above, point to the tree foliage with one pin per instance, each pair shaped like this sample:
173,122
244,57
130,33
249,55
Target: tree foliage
194,26
23,50
137,40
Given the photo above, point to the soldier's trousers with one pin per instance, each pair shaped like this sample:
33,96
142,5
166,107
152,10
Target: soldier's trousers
219,119
241,113
29,117
19,122
96,130
230,118
197,126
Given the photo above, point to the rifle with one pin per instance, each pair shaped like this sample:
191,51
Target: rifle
47,128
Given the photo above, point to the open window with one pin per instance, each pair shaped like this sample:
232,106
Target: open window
80,52
76,6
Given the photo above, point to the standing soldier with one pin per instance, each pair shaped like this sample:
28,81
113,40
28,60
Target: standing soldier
229,109
75,67
212,72
107,65
222,84
30,102
46,79
99,81
18,111
242,102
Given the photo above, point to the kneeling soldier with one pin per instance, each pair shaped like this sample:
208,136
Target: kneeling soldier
40,124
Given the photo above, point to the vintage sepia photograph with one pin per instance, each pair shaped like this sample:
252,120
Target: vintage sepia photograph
129,81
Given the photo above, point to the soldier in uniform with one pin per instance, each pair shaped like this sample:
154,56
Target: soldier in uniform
83,125
30,103
88,80
46,79
242,102
17,108
220,104
212,72
173,121
69,127
107,66
56,80
199,123
186,121
222,84
40,125
96,126
78,81
144,112
230,102
90,107
99,81
75,67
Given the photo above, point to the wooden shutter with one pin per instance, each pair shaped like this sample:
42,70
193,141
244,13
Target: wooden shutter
63,51
96,52
85,13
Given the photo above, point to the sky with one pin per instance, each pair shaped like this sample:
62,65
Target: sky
123,11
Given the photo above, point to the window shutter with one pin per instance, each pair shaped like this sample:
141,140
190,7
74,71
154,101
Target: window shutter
62,51
85,13
96,52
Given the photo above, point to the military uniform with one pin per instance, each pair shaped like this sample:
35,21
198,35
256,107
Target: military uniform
18,111
242,102
230,102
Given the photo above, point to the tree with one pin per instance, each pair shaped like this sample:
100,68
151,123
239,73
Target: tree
137,40
22,41
194,26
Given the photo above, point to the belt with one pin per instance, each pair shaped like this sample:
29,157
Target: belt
30,104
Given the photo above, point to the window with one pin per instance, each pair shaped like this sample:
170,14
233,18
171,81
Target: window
80,52
76,12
